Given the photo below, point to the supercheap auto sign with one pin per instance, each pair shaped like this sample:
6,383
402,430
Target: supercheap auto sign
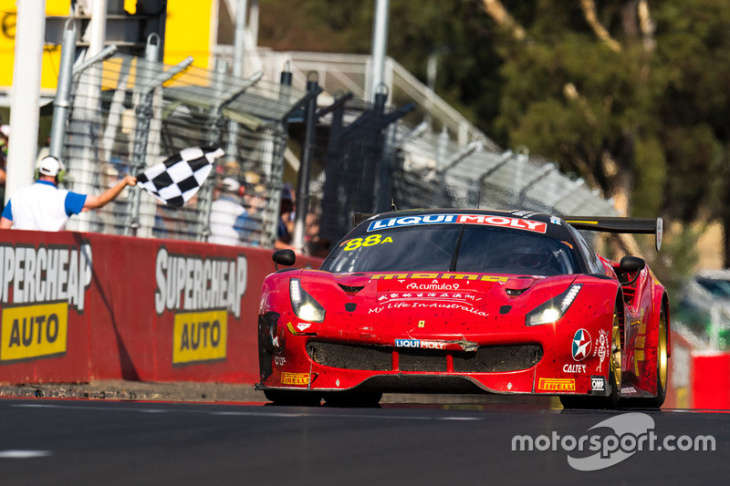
205,290
38,287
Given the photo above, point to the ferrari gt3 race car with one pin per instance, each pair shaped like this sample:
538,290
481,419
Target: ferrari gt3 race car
467,301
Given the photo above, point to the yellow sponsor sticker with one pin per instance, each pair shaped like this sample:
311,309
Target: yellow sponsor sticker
200,337
294,378
433,275
33,331
556,384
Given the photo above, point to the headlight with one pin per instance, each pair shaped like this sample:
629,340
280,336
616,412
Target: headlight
304,305
553,309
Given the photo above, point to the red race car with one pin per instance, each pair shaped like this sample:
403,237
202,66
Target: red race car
467,301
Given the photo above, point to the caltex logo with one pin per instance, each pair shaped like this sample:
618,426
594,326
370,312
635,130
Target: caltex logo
581,344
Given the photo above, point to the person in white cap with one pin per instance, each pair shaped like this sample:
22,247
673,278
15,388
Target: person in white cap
42,206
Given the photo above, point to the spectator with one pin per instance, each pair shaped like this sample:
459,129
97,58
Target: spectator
249,223
45,150
224,212
285,225
42,206
4,140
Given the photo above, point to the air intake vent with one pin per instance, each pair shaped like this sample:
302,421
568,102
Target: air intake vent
351,290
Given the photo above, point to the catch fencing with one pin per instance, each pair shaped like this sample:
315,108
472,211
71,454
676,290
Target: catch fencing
128,113
432,170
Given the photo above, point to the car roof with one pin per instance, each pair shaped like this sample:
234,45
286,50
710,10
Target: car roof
555,226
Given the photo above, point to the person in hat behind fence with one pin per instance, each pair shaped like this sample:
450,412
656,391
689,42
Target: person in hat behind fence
42,206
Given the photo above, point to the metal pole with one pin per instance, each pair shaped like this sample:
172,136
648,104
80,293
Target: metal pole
380,41
25,93
302,202
62,101
107,52
152,49
97,27
253,23
239,41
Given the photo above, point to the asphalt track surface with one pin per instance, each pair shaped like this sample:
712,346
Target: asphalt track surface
79,442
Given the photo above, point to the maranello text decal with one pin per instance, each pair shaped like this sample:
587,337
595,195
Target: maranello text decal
202,291
38,286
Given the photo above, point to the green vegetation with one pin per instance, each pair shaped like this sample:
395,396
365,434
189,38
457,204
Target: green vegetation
632,95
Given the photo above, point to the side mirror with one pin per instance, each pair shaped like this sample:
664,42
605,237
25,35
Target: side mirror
629,265
284,257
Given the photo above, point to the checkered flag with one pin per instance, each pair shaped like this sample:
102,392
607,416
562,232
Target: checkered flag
176,180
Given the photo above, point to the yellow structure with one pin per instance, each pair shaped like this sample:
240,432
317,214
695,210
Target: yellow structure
188,32
51,54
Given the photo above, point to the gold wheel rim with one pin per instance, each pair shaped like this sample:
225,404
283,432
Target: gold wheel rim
616,350
662,353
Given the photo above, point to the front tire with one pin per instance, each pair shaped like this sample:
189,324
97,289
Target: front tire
348,399
302,398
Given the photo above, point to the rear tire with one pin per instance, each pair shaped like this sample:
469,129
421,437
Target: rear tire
662,365
301,398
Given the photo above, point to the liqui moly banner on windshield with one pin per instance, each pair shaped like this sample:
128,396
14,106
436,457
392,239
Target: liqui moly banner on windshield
483,219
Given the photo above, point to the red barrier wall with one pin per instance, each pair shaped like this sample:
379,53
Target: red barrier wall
77,307
711,383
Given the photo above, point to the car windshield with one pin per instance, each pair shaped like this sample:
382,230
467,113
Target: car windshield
462,248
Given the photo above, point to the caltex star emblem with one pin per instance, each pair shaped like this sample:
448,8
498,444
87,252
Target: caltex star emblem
581,344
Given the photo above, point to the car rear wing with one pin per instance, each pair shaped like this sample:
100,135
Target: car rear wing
619,225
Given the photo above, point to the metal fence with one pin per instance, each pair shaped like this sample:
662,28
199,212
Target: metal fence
352,73
431,170
128,113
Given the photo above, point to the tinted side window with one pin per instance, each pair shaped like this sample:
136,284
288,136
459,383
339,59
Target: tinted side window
585,250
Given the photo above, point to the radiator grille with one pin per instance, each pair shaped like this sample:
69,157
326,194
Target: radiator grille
487,359
351,356
498,358
422,360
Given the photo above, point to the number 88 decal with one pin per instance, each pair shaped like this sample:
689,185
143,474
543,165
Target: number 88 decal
371,240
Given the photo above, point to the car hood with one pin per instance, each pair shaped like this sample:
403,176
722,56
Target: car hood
440,303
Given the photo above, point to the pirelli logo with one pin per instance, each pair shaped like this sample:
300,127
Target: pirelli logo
294,378
556,384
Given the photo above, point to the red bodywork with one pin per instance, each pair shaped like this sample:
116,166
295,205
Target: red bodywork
424,331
